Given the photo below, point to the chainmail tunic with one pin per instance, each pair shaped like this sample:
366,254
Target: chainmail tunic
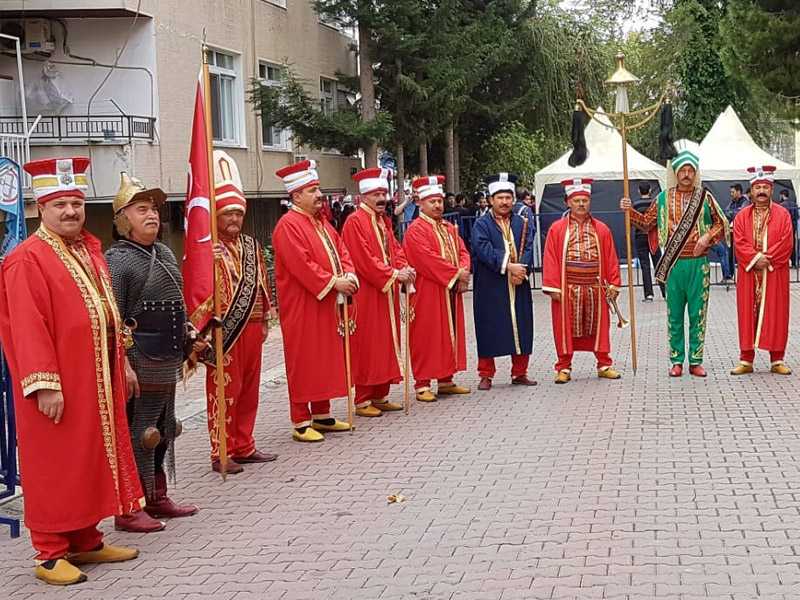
145,276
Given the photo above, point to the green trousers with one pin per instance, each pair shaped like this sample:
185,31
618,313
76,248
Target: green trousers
687,288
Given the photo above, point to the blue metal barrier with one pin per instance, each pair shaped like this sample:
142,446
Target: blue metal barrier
8,445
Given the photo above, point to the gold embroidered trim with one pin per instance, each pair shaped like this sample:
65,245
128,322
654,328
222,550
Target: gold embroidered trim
753,262
91,296
41,380
327,288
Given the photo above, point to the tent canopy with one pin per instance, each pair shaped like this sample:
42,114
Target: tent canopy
727,151
604,161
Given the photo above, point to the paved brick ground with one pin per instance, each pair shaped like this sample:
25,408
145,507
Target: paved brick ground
643,488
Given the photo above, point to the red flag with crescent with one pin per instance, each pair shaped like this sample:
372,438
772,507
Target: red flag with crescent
198,258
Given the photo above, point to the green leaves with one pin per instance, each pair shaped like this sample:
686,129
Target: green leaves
291,107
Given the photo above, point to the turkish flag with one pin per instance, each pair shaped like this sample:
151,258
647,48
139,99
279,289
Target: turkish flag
198,258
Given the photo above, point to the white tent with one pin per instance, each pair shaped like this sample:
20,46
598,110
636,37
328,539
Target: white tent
727,151
604,161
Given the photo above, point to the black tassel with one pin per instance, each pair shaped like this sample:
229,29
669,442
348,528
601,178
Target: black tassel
665,143
579,150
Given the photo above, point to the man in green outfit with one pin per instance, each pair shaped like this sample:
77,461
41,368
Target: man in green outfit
689,222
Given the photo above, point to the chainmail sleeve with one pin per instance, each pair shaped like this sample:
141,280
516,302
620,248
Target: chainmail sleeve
120,277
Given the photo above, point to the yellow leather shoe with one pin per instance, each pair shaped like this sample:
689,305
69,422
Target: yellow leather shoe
387,406
335,427
780,368
309,435
743,368
62,573
106,554
368,411
451,389
563,376
608,373
426,396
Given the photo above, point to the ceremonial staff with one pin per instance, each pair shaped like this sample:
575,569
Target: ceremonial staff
219,380
347,368
623,120
407,357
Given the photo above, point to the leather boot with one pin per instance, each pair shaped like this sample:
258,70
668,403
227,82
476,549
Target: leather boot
162,507
138,522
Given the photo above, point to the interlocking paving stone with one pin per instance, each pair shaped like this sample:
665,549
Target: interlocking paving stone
648,487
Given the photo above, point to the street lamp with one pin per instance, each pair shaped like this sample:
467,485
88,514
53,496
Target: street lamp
624,120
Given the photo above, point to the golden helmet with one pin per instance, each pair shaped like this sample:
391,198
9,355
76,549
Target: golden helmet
132,190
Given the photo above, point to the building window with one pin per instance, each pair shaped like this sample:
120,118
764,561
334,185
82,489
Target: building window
272,137
332,96
226,98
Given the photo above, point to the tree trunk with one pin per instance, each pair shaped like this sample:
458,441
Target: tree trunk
423,158
366,82
457,161
401,174
449,159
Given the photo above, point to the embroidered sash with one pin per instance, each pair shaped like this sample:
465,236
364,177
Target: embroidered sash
678,239
244,300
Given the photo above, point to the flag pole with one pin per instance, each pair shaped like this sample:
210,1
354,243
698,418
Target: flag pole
219,380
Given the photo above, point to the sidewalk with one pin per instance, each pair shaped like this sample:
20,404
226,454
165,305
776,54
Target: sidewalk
643,488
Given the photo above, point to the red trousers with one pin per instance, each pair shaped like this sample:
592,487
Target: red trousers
750,355
519,365
425,384
583,344
242,376
365,394
302,413
51,546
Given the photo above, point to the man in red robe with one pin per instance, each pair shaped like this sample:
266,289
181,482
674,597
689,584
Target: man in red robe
438,255
581,276
245,305
762,234
63,338
315,277
380,265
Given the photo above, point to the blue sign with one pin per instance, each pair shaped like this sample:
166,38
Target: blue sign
12,204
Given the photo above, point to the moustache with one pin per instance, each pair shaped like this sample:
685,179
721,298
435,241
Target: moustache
68,219
380,203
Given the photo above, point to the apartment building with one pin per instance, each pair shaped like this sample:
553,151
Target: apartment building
115,80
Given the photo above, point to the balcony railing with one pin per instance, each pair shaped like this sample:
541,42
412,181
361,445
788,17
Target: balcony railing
77,128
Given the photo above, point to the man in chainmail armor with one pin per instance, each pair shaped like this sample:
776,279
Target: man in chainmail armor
148,288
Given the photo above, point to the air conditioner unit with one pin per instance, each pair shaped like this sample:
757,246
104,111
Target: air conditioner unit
38,37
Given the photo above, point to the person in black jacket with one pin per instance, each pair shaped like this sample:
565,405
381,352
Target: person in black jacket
642,245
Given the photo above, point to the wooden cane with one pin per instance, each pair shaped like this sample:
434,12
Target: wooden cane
348,373
406,361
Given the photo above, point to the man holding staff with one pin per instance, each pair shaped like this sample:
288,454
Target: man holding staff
689,222
762,233
380,265
315,277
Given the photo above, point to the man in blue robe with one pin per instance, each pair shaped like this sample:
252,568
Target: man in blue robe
502,252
